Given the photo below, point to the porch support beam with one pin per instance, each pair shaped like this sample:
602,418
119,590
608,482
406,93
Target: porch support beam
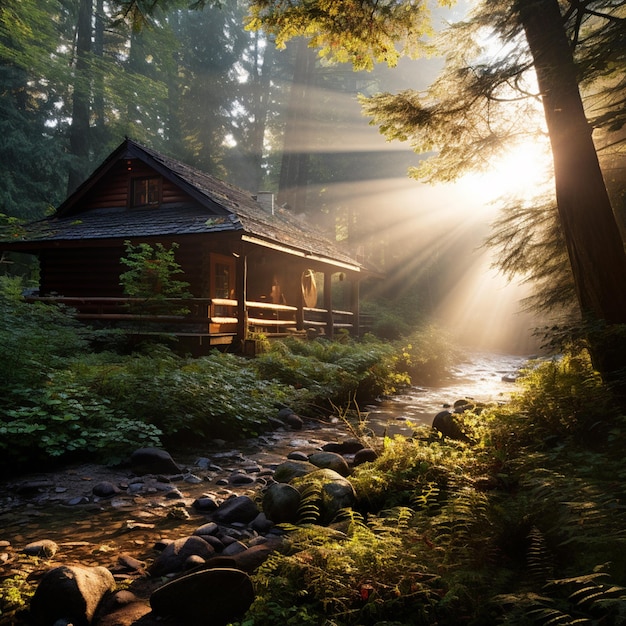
328,303
354,296
241,284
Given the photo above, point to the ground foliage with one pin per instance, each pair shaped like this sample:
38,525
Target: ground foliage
62,400
522,526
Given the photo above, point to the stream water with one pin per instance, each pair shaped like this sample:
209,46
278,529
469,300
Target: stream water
94,531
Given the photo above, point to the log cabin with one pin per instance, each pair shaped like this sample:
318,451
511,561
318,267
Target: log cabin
251,266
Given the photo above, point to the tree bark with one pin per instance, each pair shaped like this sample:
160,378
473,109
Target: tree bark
594,242
79,128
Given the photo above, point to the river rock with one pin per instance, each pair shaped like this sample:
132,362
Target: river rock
336,492
261,524
281,502
365,455
250,559
32,486
330,460
45,548
298,455
445,424
153,461
128,615
105,489
241,478
294,421
174,556
210,528
205,504
349,446
289,470
72,593
238,509
213,596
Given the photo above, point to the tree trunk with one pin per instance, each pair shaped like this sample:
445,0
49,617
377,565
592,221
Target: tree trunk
79,129
594,243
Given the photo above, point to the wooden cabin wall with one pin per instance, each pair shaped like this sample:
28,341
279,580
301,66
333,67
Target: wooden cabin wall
81,272
95,271
114,189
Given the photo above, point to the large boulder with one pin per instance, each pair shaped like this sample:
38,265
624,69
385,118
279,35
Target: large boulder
281,502
238,509
290,469
330,460
178,554
445,423
335,492
365,455
153,461
213,596
72,593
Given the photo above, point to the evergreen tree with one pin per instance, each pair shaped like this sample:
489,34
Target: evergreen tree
31,151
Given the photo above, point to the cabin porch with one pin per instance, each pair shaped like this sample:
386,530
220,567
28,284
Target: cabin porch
206,322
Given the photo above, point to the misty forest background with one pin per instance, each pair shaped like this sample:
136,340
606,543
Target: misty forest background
197,86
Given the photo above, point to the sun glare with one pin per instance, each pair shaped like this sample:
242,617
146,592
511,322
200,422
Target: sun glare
524,171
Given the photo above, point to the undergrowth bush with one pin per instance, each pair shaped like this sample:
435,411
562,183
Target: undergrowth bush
334,371
35,339
426,355
219,395
64,420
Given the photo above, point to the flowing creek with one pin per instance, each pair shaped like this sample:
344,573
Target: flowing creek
60,505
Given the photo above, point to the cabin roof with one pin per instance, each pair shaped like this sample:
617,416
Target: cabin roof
217,206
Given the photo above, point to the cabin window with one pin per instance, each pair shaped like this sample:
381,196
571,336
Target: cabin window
223,271
145,191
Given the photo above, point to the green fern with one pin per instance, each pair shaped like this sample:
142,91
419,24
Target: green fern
309,508
539,558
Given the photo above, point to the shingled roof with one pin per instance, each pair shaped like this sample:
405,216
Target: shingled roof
217,207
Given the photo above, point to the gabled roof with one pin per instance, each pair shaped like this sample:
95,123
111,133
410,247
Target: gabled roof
217,207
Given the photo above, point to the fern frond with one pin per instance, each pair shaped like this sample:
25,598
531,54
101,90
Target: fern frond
309,508
539,558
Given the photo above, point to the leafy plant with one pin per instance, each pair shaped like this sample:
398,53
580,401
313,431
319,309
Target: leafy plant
217,395
35,339
15,594
151,278
64,420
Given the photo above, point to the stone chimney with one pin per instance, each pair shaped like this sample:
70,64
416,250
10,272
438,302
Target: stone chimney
266,200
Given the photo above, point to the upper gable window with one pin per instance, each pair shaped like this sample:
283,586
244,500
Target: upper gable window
145,191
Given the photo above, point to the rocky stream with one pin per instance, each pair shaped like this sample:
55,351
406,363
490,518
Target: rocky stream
173,541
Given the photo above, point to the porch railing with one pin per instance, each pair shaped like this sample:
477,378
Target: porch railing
211,317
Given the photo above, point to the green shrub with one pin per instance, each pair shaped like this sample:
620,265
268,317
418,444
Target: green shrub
35,339
332,371
151,277
370,575
219,395
65,421
426,355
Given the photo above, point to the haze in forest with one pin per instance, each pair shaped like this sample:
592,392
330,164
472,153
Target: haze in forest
435,232
237,108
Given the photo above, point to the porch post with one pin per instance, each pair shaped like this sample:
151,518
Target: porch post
241,287
328,304
354,296
300,304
